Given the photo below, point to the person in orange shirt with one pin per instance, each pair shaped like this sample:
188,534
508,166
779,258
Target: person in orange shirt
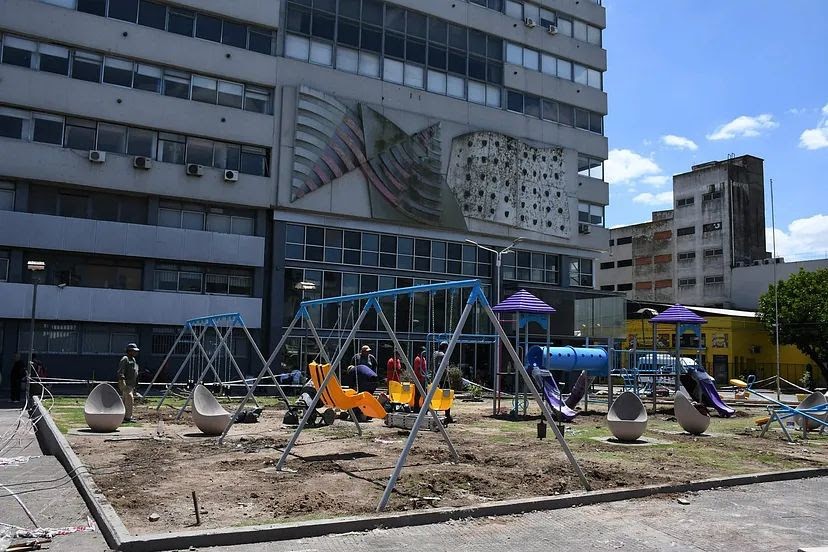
420,369
393,368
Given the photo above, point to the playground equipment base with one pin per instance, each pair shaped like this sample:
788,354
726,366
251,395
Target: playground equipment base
405,420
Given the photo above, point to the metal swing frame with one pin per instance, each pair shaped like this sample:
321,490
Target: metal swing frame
476,296
223,326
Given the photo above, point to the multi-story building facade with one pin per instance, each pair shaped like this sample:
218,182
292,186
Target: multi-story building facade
686,254
259,153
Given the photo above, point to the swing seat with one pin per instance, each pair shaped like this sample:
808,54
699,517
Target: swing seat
401,393
335,396
209,416
442,399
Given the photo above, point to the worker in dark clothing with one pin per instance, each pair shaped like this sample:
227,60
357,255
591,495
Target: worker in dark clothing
18,373
365,358
361,377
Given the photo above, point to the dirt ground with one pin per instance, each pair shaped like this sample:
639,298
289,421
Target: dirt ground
333,472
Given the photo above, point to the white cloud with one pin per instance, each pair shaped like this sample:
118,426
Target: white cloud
625,165
816,138
744,127
662,198
658,180
804,238
679,142
796,110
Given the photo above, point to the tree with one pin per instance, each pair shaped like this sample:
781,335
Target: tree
803,314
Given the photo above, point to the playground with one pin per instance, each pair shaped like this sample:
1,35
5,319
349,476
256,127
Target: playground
195,458
333,472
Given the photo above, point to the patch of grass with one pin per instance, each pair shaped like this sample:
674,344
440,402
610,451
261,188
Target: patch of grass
68,417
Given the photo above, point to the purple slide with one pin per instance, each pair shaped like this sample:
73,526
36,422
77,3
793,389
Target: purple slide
553,397
712,397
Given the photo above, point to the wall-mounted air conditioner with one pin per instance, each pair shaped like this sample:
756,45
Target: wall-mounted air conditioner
231,175
97,156
141,162
194,169
529,22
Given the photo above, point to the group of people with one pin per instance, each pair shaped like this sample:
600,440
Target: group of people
363,373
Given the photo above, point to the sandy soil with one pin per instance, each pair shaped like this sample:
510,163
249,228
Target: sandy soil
333,472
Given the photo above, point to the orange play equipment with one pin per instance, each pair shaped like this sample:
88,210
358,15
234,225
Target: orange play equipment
344,399
403,393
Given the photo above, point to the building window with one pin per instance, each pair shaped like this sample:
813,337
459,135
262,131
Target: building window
4,266
611,243
7,191
623,241
686,282
106,340
580,272
685,201
713,252
178,21
211,280
624,287
712,227
608,287
712,280
590,166
687,256
688,231
605,266
591,213
50,337
624,263
90,272
710,196
89,66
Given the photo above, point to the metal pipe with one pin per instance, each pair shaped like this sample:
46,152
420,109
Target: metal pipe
31,341
392,481
393,292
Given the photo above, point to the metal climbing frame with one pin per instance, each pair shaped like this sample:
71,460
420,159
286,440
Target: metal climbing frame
197,329
476,296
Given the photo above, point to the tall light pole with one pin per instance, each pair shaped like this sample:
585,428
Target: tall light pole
497,290
775,295
35,267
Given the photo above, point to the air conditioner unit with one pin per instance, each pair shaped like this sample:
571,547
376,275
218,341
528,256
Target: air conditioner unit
194,169
231,176
767,261
552,29
141,162
717,225
529,22
740,264
757,263
583,228
779,260
97,156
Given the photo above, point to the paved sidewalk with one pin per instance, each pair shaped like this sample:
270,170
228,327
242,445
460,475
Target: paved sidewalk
43,486
780,516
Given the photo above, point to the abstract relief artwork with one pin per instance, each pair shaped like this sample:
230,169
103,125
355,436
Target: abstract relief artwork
333,139
499,178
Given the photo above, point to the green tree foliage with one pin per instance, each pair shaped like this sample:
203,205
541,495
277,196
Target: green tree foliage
803,314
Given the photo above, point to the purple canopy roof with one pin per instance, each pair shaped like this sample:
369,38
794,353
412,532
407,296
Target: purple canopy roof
523,301
678,314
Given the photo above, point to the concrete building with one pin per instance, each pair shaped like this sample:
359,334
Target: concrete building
687,254
749,282
248,147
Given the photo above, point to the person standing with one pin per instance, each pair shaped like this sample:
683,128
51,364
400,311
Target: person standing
436,360
393,368
18,372
420,369
128,378
365,358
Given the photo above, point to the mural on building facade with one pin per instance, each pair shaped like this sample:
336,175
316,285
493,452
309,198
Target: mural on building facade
490,176
499,178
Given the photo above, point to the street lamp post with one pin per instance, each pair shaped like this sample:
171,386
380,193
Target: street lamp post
35,267
497,290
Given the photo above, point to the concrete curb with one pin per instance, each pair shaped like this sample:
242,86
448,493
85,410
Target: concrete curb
53,442
117,536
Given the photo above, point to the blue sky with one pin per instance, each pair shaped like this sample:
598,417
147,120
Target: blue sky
692,81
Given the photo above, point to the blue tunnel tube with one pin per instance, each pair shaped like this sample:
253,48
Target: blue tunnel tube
593,360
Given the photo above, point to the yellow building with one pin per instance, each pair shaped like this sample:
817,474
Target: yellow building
734,344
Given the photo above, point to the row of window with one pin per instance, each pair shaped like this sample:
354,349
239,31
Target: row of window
706,228
87,134
619,287
621,241
557,112
194,216
620,264
550,65
708,281
73,338
592,167
77,203
163,340
566,25
421,313
122,273
93,67
591,213
312,243
211,281
177,20
688,201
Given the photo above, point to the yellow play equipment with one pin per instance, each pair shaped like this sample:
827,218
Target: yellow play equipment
344,399
403,393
